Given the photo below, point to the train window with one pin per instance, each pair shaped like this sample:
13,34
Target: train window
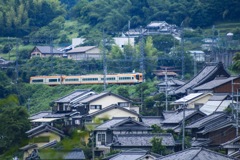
124,78
37,80
109,78
53,80
89,79
137,77
71,79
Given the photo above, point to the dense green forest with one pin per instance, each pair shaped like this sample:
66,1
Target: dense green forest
24,18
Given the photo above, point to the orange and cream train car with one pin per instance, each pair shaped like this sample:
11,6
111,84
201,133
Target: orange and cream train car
126,78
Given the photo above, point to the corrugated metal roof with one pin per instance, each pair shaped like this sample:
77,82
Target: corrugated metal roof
188,98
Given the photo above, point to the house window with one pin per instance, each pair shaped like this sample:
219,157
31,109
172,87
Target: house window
101,138
77,122
95,106
123,104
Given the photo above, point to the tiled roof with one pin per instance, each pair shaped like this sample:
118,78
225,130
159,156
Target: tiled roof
39,115
113,106
27,147
214,83
61,115
177,116
72,96
97,96
196,154
200,142
202,77
217,126
205,120
48,49
44,128
230,144
172,82
143,139
132,154
81,49
49,144
75,154
110,123
151,120
130,124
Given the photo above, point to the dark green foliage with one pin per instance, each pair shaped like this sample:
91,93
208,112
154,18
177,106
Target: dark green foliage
13,123
157,146
123,91
19,18
236,62
157,129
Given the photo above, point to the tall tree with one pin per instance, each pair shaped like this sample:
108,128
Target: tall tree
13,123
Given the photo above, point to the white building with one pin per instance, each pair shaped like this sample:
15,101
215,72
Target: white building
122,41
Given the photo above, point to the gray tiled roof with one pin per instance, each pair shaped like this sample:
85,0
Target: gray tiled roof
97,96
196,154
132,154
177,116
113,106
151,120
231,142
172,82
143,139
200,78
48,49
29,146
205,120
214,83
81,49
39,115
110,123
75,154
71,96
42,128
199,142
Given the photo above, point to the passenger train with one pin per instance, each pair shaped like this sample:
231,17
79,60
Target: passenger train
127,78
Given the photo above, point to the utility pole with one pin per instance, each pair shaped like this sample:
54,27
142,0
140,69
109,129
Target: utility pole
17,56
182,48
183,128
104,64
237,115
142,67
51,51
166,89
236,106
195,64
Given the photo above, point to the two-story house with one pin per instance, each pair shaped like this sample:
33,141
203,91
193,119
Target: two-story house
212,130
127,133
